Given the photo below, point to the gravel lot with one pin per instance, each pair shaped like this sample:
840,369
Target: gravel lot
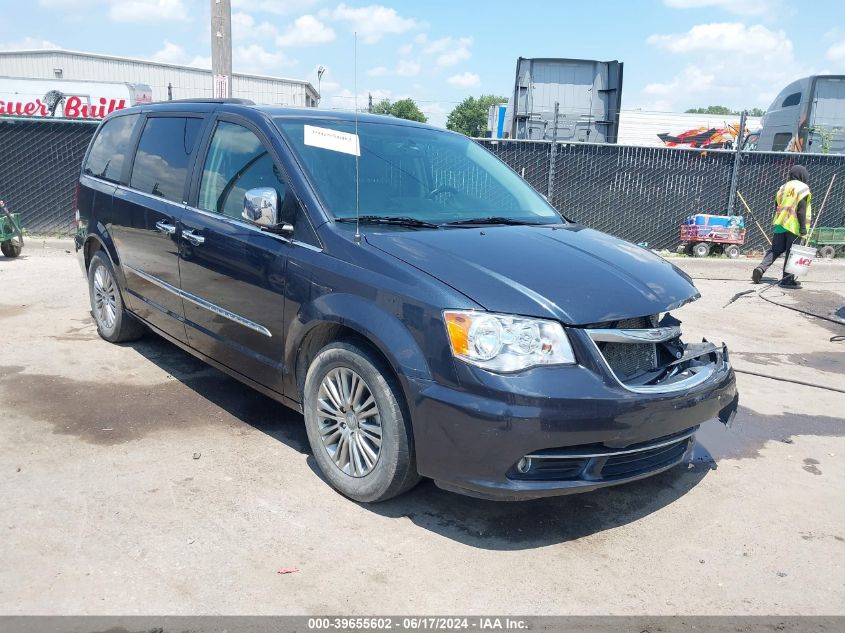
136,480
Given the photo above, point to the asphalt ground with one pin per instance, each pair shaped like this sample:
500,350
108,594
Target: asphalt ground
136,480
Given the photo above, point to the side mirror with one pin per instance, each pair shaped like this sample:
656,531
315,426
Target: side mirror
261,207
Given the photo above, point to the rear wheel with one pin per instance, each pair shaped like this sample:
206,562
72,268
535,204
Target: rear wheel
732,251
114,324
357,427
12,247
701,249
827,251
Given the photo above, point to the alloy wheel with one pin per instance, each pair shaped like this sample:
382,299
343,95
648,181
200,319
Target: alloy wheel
349,422
105,298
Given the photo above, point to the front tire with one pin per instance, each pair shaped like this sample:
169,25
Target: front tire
732,251
11,247
827,251
114,324
358,430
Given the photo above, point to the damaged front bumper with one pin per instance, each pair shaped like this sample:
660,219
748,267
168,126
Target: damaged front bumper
553,431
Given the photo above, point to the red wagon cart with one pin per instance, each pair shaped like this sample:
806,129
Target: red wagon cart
702,240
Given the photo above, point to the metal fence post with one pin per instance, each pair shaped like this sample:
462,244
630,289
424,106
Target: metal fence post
550,189
740,138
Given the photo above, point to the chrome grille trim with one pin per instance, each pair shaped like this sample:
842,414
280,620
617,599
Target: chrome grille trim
650,335
628,451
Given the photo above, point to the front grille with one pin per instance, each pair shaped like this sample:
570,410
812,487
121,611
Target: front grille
628,360
599,463
622,466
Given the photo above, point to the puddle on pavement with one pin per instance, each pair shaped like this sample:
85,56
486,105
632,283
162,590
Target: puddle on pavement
751,430
828,361
7,311
109,412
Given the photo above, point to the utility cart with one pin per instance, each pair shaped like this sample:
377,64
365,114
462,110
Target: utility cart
830,241
11,233
703,235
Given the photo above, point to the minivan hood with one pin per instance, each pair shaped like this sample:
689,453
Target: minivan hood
569,273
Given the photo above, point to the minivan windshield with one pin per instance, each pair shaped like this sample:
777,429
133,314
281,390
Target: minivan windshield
412,174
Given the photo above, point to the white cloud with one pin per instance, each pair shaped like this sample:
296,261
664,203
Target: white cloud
27,44
407,68
450,51
171,53
306,31
344,99
256,59
726,36
465,80
148,11
371,22
729,63
406,49
378,71
836,53
277,7
737,7
245,28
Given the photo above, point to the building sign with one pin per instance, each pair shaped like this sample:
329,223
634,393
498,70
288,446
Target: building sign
68,99
221,86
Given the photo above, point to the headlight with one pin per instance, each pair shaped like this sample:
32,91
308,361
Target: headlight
504,343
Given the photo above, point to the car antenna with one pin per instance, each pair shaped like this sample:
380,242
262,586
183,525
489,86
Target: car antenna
357,139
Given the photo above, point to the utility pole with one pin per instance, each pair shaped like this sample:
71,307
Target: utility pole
221,48
370,103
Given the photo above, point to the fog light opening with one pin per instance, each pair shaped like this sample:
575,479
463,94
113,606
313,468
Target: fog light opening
523,465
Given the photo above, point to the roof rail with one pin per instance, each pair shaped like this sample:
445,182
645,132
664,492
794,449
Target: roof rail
240,101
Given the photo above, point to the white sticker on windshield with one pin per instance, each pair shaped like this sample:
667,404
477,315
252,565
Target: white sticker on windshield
332,139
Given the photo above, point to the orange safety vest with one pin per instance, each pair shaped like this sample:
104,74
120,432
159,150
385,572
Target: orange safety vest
787,199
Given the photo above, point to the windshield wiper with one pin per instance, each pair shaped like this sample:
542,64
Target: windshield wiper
390,219
493,220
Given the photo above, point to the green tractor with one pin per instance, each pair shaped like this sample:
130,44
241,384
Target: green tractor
11,232
830,241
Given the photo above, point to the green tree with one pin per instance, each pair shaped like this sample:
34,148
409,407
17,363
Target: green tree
713,109
720,109
470,115
402,109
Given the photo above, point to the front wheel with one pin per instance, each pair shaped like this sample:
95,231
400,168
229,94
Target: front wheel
12,247
114,324
357,427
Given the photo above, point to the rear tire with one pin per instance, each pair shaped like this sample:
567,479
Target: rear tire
827,251
368,458
732,251
11,248
701,249
114,323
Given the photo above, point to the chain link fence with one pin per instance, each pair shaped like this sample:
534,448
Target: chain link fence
39,168
641,194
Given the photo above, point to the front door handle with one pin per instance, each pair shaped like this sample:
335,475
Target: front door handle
165,227
192,237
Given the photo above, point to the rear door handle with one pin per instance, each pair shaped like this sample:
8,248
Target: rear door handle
192,237
165,227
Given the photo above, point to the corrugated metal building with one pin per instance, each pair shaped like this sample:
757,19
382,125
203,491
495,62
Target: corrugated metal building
186,82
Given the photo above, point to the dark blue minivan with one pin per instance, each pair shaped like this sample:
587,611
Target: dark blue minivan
428,312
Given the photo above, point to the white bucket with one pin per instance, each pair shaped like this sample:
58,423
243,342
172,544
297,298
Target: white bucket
800,258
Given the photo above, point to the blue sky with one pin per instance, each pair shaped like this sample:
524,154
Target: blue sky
677,53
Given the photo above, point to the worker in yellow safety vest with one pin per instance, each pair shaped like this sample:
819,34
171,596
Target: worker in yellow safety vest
792,217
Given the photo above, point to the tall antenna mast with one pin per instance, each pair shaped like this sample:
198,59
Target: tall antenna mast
357,139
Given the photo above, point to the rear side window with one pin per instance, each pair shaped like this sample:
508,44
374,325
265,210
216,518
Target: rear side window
792,100
164,152
108,152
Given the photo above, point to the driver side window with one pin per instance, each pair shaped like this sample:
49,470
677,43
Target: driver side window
237,161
